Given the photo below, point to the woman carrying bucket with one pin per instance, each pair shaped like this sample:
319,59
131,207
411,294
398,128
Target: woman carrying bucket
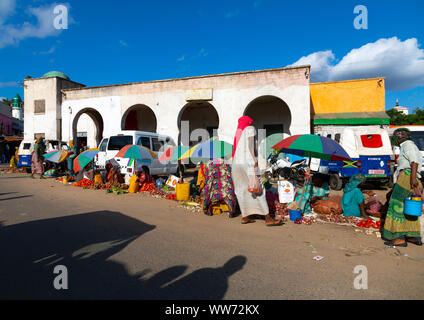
398,227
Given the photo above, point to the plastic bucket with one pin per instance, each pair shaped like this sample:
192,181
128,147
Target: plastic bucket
413,207
295,214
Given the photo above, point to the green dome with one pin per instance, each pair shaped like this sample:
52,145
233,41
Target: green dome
56,74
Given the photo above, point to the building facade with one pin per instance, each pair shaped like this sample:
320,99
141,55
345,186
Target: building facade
278,100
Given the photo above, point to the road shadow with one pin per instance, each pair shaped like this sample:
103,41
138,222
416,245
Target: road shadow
3,194
12,198
85,244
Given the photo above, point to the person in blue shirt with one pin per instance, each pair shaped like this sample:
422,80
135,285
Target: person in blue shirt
353,201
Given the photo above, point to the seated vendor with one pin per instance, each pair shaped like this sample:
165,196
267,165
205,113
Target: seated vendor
353,201
319,190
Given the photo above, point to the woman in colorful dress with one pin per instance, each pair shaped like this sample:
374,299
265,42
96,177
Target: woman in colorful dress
398,227
245,164
37,166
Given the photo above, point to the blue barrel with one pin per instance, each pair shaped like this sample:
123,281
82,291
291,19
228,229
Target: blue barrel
413,207
295,214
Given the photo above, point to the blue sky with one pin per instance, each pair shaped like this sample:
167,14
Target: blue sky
109,42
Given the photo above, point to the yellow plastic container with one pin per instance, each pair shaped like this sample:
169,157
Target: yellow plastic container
134,185
183,191
65,180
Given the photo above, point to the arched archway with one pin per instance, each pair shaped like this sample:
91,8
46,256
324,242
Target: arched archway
139,117
269,113
94,119
197,115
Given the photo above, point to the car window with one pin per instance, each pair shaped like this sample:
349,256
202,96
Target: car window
103,145
418,138
118,142
27,146
144,141
157,145
371,141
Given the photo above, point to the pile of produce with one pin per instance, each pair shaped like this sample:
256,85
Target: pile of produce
99,186
369,224
69,178
281,209
337,218
148,186
13,170
116,190
305,220
83,183
172,196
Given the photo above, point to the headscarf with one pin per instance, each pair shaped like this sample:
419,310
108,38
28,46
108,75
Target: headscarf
404,134
354,182
243,123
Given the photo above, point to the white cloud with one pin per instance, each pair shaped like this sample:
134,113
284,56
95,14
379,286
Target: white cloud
123,43
7,8
181,58
8,84
11,34
400,62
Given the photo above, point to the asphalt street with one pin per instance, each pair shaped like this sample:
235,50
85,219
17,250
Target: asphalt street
134,246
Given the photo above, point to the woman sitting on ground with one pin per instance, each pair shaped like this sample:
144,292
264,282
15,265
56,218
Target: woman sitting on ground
353,201
309,194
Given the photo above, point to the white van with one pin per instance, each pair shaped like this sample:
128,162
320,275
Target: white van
417,135
110,146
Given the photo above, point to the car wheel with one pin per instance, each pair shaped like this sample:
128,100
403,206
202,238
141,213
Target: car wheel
146,169
336,183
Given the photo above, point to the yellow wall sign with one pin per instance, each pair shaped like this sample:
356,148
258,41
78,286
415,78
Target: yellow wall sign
199,94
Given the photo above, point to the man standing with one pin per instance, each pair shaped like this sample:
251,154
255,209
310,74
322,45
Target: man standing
37,158
398,228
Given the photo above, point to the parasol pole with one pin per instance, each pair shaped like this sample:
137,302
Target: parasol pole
306,184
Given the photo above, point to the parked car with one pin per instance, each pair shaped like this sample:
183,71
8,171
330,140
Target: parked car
110,146
371,152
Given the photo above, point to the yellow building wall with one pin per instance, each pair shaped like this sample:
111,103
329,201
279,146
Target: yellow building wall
348,96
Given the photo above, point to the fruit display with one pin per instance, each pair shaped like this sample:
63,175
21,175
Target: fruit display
13,170
172,196
369,224
148,186
83,183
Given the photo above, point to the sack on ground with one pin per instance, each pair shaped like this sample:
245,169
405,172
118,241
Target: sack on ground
333,205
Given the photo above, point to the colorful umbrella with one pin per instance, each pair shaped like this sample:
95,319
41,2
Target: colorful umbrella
136,152
57,156
212,149
310,145
84,158
172,154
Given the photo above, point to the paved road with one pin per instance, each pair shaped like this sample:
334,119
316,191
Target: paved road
139,247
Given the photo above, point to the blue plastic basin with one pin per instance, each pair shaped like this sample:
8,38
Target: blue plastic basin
295,214
413,207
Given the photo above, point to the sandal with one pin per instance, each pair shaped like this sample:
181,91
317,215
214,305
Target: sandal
391,243
415,241
274,223
247,220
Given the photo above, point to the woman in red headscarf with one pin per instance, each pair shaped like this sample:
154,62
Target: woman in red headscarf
244,168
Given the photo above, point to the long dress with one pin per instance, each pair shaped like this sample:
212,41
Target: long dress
242,170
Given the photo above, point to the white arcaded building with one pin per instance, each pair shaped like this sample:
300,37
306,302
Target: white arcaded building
276,99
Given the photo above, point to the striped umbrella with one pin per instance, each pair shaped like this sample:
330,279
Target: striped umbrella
84,158
310,145
172,154
136,152
57,156
212,149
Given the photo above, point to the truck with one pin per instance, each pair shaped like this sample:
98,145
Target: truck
371,152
